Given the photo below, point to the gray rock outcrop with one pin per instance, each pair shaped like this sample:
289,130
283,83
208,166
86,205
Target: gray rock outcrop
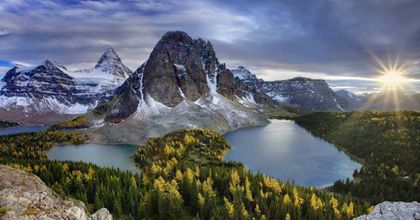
394,211
25,196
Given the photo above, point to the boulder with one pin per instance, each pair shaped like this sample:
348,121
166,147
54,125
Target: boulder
25,196
394,211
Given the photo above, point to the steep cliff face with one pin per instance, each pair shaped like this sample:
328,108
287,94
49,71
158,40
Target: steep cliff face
180,69
52,89
25,196
175,69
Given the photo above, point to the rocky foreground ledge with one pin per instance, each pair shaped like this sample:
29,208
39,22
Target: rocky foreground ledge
25,196
394,211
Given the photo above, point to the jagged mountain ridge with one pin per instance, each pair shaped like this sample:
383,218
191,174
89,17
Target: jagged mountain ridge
52,88
312,94
181,85
179,69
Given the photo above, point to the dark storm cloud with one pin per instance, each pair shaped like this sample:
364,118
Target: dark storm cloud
276,39
334,37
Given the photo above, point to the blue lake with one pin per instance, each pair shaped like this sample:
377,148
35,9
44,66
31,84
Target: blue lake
280,149
286,151
117,156
22,129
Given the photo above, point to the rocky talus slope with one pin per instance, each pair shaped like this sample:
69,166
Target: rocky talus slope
394,211
25,196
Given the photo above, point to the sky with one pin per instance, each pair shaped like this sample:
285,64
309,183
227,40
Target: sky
335,40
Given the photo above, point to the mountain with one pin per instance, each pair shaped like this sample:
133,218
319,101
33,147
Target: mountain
180,71
349,100
386,100
181,85
52,91
311,94
392,100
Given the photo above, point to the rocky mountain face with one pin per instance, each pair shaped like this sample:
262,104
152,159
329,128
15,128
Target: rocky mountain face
51,88
182,84
308,93
25,196
179,69
394,210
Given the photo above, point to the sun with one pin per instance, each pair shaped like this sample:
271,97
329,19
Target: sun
392,75
392,79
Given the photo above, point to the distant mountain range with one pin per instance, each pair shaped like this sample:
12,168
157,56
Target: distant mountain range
49,92
387,100
182,84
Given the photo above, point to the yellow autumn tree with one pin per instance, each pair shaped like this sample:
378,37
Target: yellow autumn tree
298,201
201,200
286,199
229,208
334,205
348,209
316,203
248,193
272,184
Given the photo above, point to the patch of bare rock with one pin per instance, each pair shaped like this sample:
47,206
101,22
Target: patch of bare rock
25,196
394,211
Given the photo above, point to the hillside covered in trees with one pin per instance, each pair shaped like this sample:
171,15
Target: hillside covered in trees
184,177
386,142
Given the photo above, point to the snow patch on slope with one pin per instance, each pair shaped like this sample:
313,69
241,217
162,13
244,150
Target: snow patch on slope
150,107
278,97
45,104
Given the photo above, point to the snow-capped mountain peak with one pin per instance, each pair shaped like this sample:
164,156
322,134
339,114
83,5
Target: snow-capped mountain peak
53,64
51,88
111,63
243,74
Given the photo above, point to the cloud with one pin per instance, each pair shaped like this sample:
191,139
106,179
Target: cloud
276,39
4,32
21,63
3,70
